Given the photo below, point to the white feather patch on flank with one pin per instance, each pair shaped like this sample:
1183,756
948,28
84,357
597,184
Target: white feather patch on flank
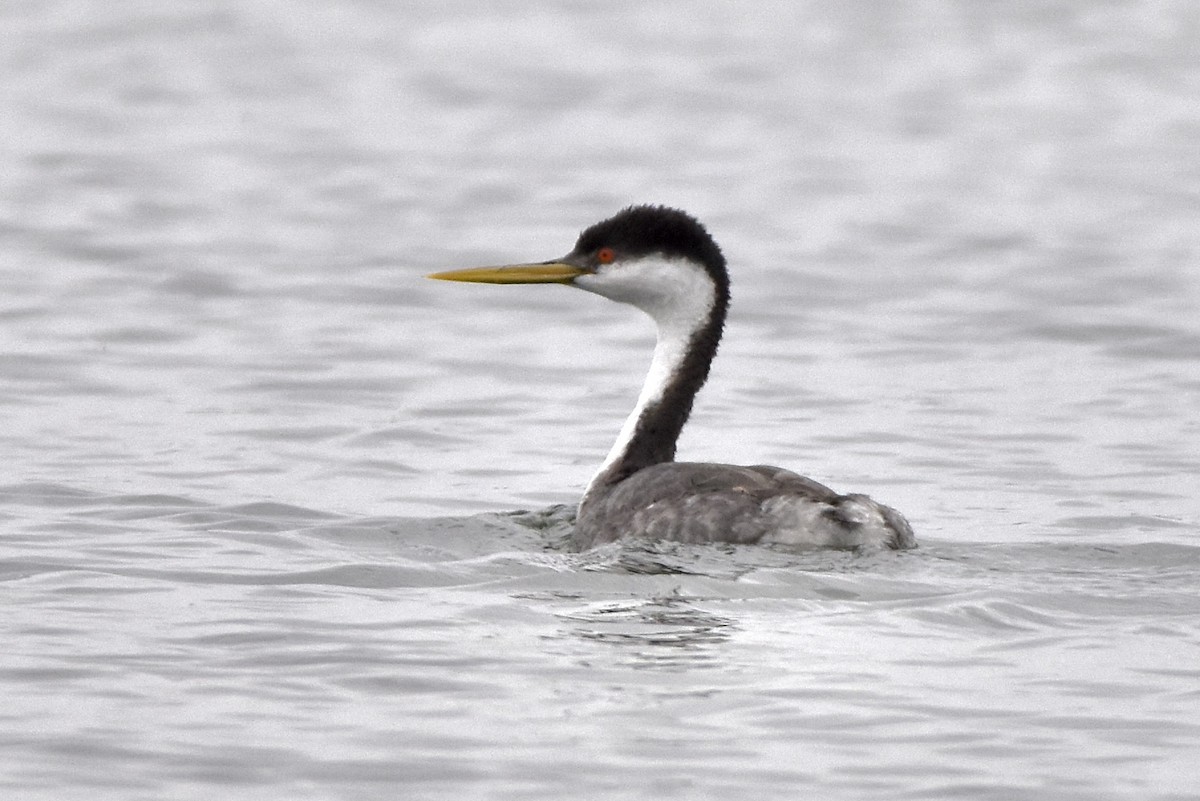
678,294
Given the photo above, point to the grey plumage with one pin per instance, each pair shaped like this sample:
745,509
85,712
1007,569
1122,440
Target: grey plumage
664,262
706,502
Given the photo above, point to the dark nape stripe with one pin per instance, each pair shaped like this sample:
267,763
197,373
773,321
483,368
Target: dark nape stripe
658,428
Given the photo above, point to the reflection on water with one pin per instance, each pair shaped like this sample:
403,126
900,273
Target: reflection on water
427,638
665,633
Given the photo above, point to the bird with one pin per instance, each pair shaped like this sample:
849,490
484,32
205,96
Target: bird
664,262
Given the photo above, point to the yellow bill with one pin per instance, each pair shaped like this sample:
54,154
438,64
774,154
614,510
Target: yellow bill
551,272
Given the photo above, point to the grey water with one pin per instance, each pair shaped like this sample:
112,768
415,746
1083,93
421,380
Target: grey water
279,518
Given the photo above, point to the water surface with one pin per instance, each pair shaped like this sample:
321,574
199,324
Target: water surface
261,481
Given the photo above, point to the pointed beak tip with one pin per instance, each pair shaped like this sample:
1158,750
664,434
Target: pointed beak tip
547,273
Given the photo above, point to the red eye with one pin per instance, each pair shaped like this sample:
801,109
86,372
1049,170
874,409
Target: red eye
605,255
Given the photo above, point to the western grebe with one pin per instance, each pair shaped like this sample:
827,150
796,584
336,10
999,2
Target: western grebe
664,262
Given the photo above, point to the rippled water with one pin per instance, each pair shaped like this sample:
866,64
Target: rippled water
259,477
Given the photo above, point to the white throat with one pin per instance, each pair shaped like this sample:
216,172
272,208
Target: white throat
678,295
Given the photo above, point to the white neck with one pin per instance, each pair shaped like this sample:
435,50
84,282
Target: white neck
669,350
679,296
